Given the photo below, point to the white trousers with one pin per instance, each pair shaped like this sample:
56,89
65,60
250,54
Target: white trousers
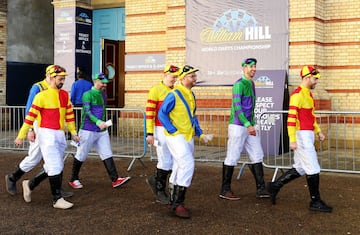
184,163
52,145
305,156
238,140
165,159
99,140
34,154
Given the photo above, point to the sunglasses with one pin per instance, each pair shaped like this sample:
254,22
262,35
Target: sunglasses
172,69
186,69
314,72
101,76
57,69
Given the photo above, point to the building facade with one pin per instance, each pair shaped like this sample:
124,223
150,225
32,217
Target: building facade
321,33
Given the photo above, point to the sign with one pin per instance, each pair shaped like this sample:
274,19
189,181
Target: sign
145,62
269,87
73,36
64,46
83,40
221,34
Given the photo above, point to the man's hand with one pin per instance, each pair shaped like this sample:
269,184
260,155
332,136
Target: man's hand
204,140
18,141
251,130
293,145
76,138
31,136
102,125
150,139
321,136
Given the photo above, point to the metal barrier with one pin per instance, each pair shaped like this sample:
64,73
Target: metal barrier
338,153
212,121
127,134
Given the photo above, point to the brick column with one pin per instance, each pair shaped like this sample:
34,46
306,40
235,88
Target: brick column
307,35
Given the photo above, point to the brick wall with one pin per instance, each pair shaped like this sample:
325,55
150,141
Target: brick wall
327,35
164,32
3,5
322,33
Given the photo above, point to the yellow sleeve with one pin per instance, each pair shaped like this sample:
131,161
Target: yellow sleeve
31,116
317,129
24,130
151,106
70,118
292,117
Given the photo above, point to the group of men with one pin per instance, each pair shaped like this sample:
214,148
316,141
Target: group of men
49,112
171,125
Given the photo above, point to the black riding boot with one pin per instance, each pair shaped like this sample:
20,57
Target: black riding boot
178,202
58,200
41,176
37,179
226,193
55,185
75,170
64,193
160,184
111,169
10,180
161,178
316,204
258,173
274,187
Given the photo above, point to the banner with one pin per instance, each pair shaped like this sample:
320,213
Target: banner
73,36
220,34
64,46
84,40
270,86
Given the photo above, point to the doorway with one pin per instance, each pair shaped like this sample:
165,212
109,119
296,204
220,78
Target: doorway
113,64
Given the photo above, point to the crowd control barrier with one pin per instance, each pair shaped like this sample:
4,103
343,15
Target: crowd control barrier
127,132
338,153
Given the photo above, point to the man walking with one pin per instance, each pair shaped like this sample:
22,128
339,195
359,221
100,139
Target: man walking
302,129
93,132
34,154
242,133
177,114
155,133
54,109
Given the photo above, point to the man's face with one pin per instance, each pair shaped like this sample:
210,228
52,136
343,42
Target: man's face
98,84
313,82
249,71
190,80
59,81
169,79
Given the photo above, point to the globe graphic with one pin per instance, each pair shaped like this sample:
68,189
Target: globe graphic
234,21
263,79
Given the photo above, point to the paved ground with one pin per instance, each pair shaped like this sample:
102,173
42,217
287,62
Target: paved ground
100,209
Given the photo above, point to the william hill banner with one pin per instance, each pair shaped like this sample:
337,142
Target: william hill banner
220,34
